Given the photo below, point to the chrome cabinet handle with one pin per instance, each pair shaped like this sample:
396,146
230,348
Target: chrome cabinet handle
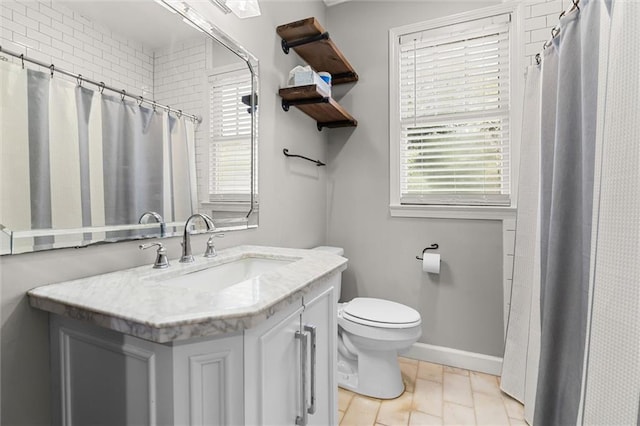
312,331
302,419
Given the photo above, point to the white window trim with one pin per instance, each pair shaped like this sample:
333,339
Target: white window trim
397,209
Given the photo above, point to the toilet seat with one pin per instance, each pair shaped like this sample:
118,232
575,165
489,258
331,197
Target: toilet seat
380,313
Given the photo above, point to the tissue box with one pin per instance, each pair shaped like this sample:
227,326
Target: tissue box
304,78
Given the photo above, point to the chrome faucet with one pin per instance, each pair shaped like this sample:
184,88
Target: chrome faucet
187,257
157,218
162,261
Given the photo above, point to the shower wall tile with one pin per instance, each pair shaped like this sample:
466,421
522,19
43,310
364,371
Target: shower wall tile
34,13
180,82
540,17
546,8
16,6
64,38
22,20
51,13
535,23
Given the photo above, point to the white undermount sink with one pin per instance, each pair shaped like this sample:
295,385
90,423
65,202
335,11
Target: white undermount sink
219,277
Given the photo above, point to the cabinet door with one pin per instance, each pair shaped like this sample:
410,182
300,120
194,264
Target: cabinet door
320,313
207,382
272,372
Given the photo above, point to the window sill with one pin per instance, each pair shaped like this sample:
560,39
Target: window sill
229,206
452,212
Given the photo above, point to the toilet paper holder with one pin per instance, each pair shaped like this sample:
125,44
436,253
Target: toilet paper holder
433,247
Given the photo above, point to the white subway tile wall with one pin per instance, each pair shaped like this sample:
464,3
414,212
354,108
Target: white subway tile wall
180,79
540,16
172,76
73,43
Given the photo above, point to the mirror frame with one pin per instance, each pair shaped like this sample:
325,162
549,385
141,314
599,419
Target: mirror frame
189,13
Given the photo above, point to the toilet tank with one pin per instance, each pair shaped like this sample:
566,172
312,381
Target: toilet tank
339,251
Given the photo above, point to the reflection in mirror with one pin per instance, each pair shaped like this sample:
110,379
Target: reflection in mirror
160,123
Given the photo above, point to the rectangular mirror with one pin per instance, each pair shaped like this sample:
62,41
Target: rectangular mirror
120,120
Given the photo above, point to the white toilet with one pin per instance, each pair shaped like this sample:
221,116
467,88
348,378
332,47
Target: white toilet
371,333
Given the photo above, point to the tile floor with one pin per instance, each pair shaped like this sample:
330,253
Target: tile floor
434,395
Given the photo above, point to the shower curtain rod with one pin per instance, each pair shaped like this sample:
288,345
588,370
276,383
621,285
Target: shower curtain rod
101,85
556,30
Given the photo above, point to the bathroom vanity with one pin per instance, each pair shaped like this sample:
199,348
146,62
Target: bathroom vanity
247,337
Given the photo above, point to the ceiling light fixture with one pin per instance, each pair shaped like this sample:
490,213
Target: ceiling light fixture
241,8
244,8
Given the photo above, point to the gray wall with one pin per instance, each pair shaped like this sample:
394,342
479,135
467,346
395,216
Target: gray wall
462,307
292,213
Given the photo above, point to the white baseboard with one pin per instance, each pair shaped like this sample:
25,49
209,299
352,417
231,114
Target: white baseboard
455,358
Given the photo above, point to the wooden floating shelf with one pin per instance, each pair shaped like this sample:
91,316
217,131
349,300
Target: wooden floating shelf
312,43
325,110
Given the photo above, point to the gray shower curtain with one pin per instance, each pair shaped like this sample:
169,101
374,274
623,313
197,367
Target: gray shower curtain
132,160
567,169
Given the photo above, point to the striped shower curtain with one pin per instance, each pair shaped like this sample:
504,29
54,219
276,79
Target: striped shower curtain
72,158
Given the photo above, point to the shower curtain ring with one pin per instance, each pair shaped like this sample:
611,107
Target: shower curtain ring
154,106
101,88
79,79
179,113
52,68
122,95
22,59
538,59
140,100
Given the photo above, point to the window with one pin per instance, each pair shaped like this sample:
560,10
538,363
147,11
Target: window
450,120
230,134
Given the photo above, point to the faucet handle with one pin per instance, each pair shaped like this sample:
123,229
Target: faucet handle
161,255
211,248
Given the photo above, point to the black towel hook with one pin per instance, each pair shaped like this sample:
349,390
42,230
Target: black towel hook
433,247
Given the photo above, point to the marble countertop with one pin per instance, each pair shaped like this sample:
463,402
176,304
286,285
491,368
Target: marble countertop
140,303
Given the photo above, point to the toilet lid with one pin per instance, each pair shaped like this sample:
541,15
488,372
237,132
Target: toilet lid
381,313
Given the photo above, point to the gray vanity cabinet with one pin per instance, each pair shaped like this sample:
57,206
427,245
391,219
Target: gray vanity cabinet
253,377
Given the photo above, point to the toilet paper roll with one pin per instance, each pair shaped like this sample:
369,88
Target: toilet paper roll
431,263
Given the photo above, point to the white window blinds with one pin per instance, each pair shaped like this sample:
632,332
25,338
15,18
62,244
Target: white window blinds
230,133
454,114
